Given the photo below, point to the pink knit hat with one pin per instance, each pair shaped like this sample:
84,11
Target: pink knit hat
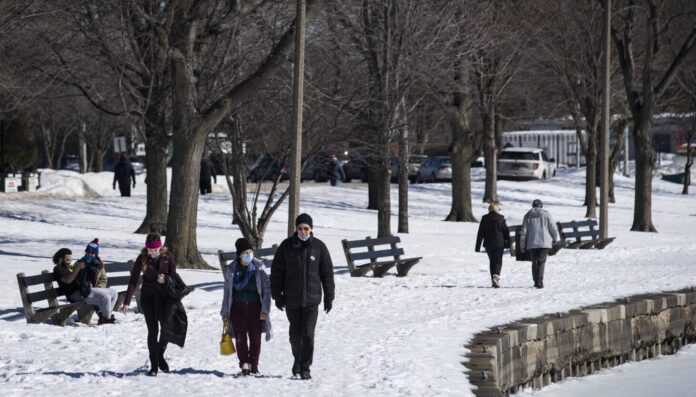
153,244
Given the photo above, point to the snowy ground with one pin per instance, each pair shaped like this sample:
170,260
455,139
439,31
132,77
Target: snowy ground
384,337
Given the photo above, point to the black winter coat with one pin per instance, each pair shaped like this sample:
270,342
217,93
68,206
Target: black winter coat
207,172
300,270
173,315
123,172
493,232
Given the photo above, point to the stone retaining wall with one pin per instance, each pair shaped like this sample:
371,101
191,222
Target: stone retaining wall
535,352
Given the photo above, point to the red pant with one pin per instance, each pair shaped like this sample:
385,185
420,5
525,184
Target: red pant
246,322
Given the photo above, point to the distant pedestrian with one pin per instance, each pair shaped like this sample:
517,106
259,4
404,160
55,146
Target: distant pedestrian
537,236
246,303
494,234
123,173
207,172
335,172
301,269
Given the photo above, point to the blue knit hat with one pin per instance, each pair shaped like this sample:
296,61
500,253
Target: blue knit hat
93,247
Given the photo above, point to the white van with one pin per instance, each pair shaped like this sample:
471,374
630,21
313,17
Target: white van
525,163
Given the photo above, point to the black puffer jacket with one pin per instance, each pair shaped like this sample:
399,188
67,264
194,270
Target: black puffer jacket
493,232
300,270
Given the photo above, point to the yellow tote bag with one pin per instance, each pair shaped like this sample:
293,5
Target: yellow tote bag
226,345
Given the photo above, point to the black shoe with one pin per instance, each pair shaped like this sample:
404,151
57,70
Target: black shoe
152,372
104,320
162,363
295,369
246,369
255,369
305,375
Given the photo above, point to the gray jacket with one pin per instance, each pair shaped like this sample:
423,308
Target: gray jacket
263,285
538,230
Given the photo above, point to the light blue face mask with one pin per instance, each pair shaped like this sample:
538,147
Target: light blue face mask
246,258
304,238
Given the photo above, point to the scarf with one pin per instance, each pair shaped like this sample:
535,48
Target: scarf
240,282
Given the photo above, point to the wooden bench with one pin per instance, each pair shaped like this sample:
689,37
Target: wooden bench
263,254
403,265
515,237
582,234
38,288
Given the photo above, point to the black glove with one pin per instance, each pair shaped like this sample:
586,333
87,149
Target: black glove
280,303
133,185
327,306
114,186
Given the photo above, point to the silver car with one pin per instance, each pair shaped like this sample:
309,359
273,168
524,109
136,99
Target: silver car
435,169
414,163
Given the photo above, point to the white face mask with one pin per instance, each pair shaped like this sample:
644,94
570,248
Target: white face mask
303,238
153,253
246,258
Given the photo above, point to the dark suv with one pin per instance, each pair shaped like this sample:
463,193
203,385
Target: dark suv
266,168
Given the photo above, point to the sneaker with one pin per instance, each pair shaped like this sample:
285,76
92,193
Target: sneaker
496,281
152,372
246,369
305,375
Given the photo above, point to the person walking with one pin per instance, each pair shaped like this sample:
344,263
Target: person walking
335,172
301,269
207,172
495,236
246,303
537,236
123,173
154,262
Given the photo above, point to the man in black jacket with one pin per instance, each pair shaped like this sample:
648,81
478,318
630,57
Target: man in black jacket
494,234
123,173
207,172
301,268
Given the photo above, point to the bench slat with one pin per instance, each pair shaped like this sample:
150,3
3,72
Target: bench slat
38,279
585,223
373,242
114,267
42,295
356,256
583,233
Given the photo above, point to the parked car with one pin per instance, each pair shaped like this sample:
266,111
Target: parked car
317,166
266,168
138,165
355,169
414,163
525,163
437,168
71,162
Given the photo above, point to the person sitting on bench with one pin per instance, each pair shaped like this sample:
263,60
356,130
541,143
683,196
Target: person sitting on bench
75,282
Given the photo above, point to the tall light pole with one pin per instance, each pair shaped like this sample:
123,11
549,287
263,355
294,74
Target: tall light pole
297,94
604,140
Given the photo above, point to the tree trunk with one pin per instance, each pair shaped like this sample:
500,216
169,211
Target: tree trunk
490,158
156,180
462,151
372,185
384,189
645,160
403,180
687,168
591,176
615,157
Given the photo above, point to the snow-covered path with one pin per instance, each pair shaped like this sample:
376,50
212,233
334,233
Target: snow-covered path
384,337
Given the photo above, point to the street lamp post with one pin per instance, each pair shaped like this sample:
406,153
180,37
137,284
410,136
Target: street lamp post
604,140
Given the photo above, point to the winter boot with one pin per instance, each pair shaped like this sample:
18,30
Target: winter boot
153,366
295,368
496,281
246,369
161,362
305,375
255,369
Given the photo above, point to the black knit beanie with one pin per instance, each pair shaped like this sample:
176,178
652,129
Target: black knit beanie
242,245
304,218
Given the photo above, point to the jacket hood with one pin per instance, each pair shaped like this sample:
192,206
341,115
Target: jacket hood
536,212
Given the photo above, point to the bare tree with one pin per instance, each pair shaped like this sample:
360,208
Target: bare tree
654,24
